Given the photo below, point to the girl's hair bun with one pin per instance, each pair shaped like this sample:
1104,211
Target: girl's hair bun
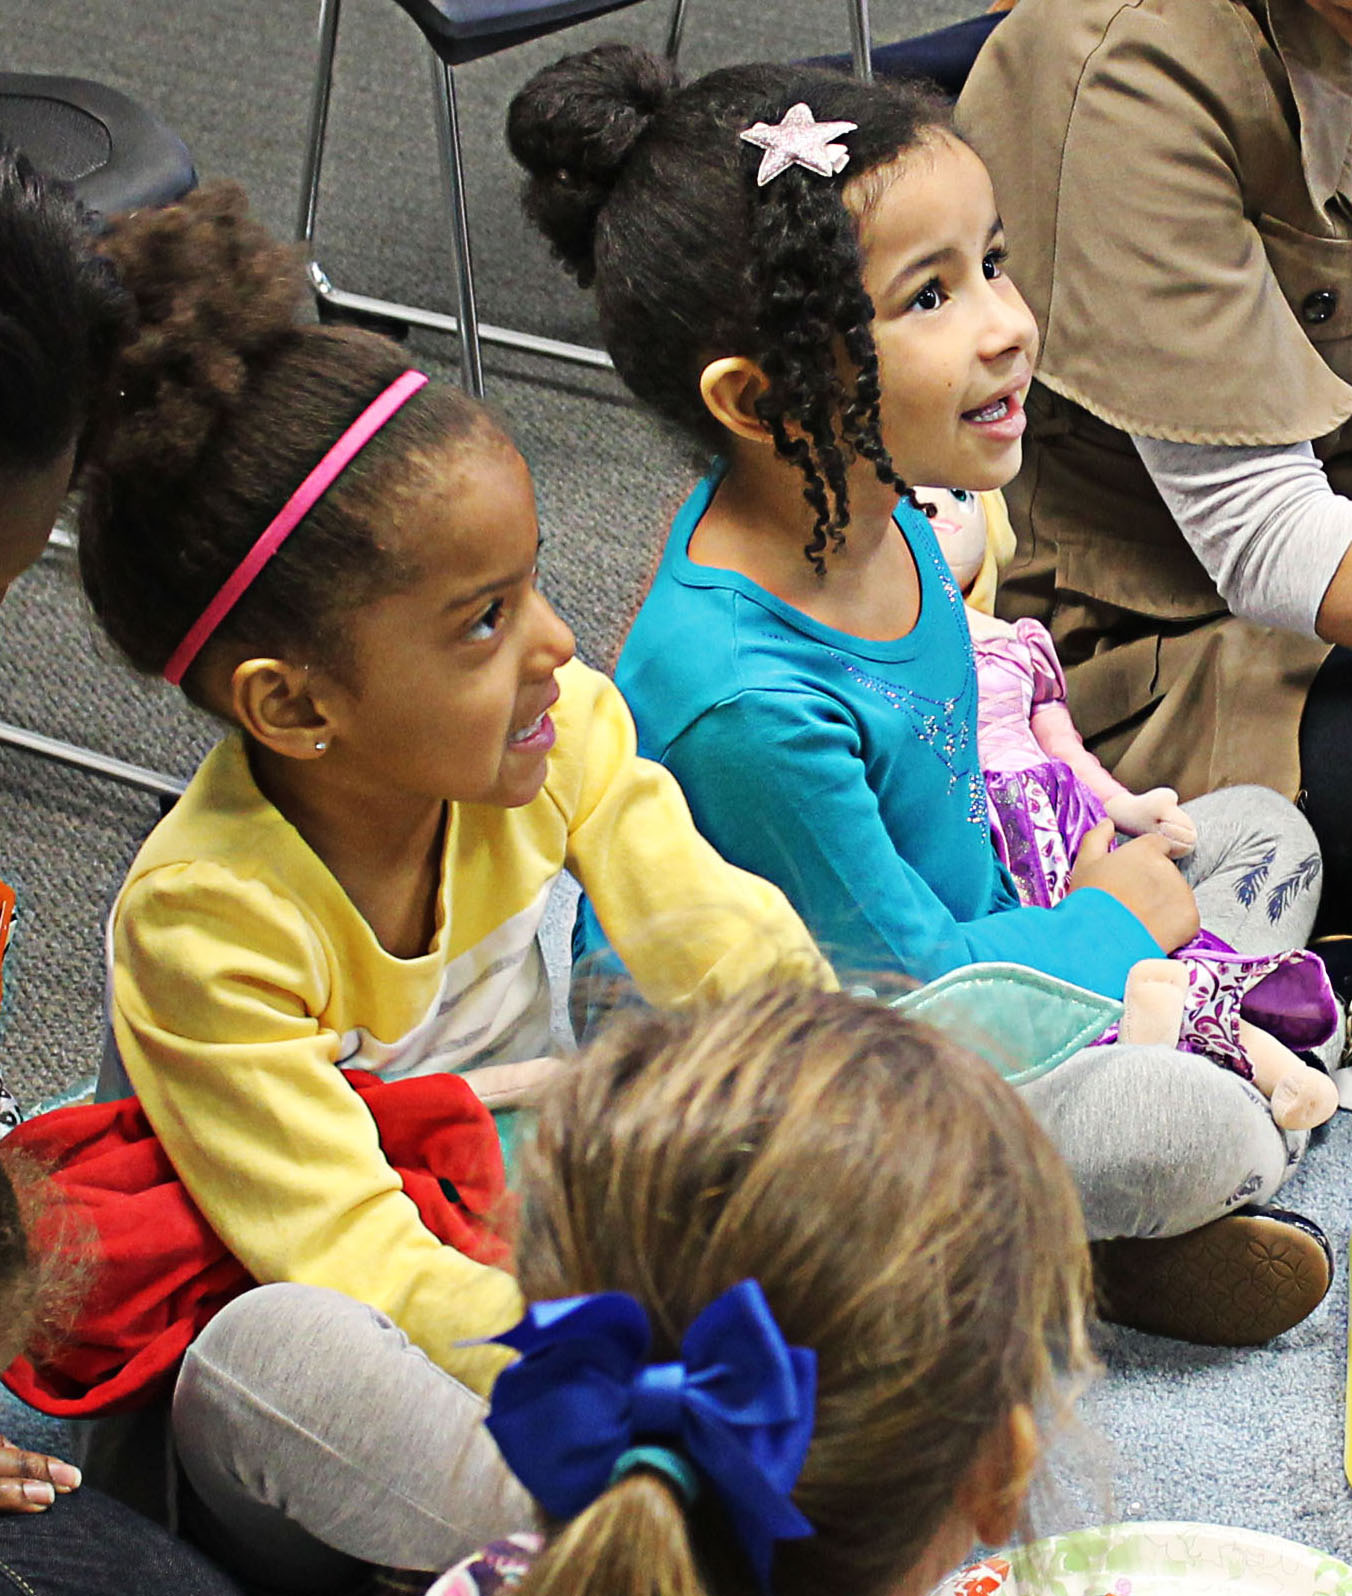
573,128
214,294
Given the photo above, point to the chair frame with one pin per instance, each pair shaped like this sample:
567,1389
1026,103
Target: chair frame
475,331
160,184
465,324
87,759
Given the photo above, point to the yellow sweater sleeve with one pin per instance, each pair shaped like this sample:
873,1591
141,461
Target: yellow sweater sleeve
685,922
216,982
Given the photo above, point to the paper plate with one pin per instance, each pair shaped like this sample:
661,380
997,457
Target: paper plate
1173,1560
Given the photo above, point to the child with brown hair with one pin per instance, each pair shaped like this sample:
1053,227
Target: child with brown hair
800,1272
339,559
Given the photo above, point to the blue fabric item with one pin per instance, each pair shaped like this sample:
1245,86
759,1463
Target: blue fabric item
86,1544
740,1405
845,771
944,57
1021,1022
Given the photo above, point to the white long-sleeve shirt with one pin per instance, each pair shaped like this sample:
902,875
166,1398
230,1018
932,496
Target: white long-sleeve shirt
1265,522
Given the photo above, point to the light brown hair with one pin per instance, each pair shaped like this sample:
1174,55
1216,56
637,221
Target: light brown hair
47,1254
905,1217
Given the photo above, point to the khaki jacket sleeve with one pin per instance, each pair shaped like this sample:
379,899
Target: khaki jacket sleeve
1151,227
215,986
685,922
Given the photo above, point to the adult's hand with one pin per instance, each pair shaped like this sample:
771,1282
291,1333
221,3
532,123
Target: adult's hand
31,1481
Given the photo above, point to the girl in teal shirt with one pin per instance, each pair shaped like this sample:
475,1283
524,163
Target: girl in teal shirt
806,274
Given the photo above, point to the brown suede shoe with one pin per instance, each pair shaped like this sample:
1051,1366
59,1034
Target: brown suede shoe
1236,1282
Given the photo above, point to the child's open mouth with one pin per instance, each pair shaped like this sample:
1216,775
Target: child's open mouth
1002,418
540,733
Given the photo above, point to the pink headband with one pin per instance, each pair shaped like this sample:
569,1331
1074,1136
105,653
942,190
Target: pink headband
296,508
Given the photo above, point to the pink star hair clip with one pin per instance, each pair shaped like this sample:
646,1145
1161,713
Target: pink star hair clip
798,140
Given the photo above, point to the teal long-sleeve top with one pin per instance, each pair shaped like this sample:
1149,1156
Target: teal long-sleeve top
845,771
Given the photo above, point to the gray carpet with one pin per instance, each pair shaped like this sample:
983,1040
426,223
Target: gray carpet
1251,1438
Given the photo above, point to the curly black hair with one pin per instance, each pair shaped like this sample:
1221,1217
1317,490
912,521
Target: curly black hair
645,190
225,402
62,318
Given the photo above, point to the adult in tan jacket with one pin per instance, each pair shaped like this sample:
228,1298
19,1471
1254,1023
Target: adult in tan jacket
1176,180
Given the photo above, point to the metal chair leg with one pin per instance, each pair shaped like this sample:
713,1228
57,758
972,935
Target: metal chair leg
62,541
86,759
369,305
861,40
676,30
319,122
453,175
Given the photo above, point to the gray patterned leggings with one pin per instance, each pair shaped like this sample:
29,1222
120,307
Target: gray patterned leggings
1160,1141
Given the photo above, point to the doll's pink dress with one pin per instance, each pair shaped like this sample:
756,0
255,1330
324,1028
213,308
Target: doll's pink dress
1040,811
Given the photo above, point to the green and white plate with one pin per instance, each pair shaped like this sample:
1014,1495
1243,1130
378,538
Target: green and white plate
1174,1560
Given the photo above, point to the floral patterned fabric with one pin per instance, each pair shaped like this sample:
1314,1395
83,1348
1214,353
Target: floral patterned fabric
1040,812
497,1568
502,1566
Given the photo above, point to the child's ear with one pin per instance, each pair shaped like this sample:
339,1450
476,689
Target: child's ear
276,704
730,387
991,1494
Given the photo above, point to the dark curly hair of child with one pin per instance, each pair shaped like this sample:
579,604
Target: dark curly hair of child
62,317
645,190
226,400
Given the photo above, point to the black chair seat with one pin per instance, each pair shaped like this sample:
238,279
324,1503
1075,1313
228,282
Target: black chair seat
464,30
112,152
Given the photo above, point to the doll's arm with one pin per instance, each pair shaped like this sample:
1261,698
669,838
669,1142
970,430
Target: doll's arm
499,1086
1056,734
1157,810
1058,739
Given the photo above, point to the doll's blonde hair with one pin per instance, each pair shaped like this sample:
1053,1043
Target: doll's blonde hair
905,1217
999,552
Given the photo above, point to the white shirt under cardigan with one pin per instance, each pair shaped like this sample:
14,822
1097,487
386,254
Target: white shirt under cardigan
1265,522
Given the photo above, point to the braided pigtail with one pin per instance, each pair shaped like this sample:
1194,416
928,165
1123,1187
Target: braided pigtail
811,300
861,416
646,189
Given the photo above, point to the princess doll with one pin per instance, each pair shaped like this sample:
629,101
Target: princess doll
1046,793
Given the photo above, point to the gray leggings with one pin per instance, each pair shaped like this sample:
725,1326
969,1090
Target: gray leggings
315,1439
1160,1141
313,1434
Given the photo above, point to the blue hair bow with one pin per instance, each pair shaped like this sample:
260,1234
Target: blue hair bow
739,1405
